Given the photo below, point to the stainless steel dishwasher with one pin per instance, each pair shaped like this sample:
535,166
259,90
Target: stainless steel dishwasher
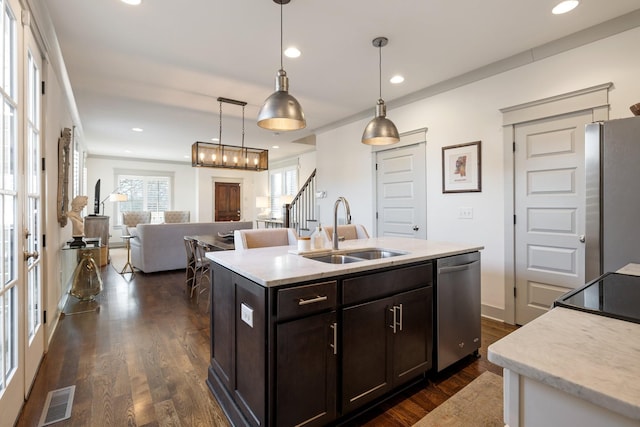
457,328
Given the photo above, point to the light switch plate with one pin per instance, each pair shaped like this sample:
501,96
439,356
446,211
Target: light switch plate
465,213
246,314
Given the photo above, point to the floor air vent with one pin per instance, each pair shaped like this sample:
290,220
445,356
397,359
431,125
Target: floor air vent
57,407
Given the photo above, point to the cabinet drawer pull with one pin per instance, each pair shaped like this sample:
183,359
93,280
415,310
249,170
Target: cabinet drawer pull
303,301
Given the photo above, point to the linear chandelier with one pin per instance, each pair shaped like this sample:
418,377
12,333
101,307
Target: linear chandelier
211,155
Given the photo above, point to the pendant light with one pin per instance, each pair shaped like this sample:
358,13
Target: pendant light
281,111
380,130
210,155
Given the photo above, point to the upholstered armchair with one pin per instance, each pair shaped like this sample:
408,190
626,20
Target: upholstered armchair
133,218
171,217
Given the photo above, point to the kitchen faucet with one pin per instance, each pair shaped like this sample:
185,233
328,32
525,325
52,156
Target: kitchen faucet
335,218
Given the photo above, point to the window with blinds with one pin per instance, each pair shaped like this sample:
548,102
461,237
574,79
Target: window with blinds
282,181
145,193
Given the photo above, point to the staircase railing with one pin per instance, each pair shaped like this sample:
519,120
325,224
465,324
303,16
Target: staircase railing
302,208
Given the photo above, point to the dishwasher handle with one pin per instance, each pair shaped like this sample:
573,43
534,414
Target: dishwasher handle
454,268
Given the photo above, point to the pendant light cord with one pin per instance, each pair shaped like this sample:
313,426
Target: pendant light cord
281,37
380,70
243,126
220,126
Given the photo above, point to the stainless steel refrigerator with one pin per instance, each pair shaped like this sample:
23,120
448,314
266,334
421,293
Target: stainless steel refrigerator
612,228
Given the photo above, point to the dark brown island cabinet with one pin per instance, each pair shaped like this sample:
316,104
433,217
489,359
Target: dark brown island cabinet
316,353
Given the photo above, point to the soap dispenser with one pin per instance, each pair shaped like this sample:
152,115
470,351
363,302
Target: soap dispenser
318,238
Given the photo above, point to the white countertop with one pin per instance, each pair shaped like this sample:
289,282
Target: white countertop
595,358
274,266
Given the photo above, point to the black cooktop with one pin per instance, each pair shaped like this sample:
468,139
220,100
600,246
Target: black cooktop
612,294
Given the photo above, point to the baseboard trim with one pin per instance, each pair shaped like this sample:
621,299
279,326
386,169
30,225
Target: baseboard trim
492,312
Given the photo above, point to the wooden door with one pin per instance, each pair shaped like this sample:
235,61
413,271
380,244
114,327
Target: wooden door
227,201
550,211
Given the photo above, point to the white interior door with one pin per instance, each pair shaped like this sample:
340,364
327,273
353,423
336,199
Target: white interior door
401,192
550,211
12,289
33,206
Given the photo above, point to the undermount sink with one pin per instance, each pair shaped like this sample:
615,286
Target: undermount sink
336,259
356,255
374,253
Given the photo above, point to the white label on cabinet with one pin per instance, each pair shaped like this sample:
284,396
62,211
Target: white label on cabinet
246,314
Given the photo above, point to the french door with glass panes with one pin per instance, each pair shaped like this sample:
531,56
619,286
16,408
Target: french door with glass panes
21,323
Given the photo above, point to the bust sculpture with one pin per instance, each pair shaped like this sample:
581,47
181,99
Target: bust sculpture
77,224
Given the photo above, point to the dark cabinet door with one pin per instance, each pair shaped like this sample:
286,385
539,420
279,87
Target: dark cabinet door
366,359
222,324
385,343
413,337
306,371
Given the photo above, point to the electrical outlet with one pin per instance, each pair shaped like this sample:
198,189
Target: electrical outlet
465,213
246,314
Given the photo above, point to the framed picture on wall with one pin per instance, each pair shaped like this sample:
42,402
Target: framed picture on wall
461,168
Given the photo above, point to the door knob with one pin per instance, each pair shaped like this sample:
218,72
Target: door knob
416,228
33,255
582,238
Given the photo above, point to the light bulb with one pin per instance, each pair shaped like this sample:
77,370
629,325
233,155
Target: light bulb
213,158
201,156
224,159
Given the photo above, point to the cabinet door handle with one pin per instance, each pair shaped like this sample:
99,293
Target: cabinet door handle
393,321
400,310
334,326
319,298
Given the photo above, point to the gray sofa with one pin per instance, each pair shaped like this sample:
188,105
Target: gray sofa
160,247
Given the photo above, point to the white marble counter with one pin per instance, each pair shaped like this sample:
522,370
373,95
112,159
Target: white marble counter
591,357
274,266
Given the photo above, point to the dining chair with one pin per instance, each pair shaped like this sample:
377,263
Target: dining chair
203,271
264,237
191,272
348,232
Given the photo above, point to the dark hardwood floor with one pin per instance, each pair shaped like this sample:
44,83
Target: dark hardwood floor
138,356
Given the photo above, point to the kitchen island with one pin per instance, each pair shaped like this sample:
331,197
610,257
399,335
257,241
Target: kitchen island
568,367
296,341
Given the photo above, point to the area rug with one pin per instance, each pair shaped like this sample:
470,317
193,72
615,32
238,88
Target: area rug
478,404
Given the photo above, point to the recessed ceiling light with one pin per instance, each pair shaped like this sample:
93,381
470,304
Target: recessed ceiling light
396,79
276,146
137,129
132,2
565,6
292,52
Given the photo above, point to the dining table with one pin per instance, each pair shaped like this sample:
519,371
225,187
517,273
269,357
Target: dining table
215,242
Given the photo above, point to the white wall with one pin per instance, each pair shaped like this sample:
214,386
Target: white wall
471,113
56,117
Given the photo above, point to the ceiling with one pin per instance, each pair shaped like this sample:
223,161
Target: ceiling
160,66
